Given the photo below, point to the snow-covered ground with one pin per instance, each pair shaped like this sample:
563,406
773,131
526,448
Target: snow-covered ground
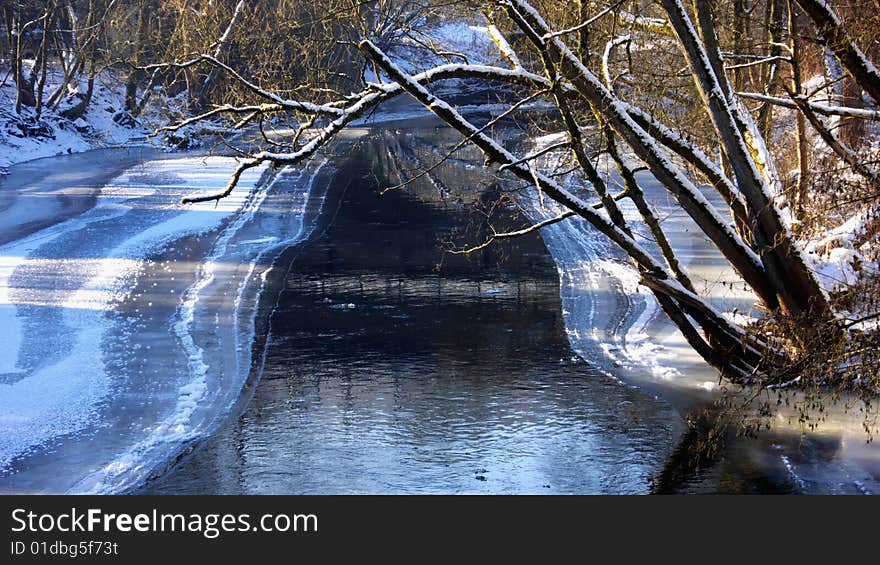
838,251
104,123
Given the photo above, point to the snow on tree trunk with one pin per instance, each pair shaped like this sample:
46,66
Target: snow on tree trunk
843,46
796,287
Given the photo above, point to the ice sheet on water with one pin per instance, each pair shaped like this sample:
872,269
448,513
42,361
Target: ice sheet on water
206,395
65,396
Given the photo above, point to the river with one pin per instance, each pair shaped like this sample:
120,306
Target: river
313,336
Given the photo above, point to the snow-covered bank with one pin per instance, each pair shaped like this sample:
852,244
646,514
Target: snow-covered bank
611,319
614,323
80,317
44,401
24,137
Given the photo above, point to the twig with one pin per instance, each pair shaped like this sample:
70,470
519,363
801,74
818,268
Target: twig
506,235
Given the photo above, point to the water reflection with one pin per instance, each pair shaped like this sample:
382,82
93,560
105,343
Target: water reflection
393,368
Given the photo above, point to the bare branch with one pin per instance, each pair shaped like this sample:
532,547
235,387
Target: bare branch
823,109
506,235
840,148
761,61
585,24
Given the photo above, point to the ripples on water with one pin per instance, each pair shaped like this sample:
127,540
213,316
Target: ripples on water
387,374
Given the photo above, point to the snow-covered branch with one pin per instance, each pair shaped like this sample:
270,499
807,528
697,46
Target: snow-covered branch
606,56
843,46
818,108
503,46
219,111
693,155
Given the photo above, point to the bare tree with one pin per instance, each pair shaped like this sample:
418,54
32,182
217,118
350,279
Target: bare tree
58,36
557,63
17,26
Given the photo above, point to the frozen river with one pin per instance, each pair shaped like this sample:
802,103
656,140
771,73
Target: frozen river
134,331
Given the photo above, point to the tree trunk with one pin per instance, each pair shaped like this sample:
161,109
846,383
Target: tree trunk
740,34
205,88
845,49
136,75
803,149
24,92
797,291
43,57
776,20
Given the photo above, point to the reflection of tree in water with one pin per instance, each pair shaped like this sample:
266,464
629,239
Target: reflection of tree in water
433,165
715,454
420,159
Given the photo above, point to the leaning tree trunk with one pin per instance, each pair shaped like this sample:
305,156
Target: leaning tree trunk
796,288
845,49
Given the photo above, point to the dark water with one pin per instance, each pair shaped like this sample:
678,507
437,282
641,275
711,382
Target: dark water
394,367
